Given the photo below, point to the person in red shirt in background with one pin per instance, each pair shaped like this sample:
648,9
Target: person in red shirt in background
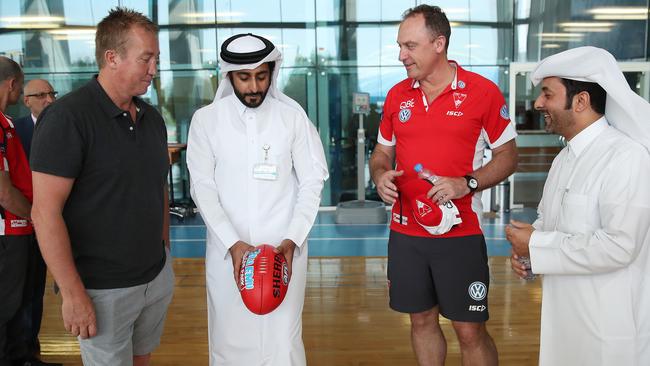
16,230
440,120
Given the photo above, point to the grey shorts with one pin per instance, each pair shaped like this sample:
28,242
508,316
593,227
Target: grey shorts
129,320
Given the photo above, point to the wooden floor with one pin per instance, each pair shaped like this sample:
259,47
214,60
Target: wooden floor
346,319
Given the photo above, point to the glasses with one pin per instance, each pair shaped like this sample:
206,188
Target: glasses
53,94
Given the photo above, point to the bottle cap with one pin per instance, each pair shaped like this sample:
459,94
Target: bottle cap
418,167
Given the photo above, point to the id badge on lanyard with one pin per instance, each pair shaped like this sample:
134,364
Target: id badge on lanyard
265,170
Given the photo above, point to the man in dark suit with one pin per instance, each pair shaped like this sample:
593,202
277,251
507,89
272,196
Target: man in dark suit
38,94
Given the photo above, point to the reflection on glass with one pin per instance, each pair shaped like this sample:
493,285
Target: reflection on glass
460,44
554,26
265,11
194,12
187,48
455,10
77,12
496,74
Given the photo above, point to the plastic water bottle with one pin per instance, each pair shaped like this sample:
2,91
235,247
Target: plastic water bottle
529,273
424,173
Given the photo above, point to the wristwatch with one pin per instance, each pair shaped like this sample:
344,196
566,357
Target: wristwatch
472,183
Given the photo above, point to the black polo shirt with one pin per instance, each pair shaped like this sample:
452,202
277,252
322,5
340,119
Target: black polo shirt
114,213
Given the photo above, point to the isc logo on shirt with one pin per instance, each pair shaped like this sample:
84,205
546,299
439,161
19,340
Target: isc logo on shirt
454,113
476,308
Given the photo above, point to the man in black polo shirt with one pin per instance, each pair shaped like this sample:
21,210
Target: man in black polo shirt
99,162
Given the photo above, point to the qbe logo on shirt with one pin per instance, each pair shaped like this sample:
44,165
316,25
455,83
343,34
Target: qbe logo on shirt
477,290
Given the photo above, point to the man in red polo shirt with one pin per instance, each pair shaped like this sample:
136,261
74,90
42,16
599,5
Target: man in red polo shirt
441,118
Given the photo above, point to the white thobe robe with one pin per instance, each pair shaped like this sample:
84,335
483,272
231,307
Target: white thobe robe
226,140
592,244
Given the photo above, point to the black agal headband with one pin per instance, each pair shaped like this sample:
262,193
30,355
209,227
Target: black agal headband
248,57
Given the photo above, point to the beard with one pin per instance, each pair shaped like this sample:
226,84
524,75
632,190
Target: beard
259,98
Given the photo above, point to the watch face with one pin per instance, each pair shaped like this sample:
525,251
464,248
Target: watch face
472,183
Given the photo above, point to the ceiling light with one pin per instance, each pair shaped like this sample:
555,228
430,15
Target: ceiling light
619,10
561,35
586,24
32,25
455,10
220,14
32,19
73,31
621,16
591,30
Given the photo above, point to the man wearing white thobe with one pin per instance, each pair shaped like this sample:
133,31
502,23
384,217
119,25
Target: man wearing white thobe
257,169
591,240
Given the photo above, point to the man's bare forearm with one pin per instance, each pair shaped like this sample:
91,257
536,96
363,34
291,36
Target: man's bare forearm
13,200
502,165
380,162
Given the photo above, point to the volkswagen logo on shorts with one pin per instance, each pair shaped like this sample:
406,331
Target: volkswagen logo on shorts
477,290
404,115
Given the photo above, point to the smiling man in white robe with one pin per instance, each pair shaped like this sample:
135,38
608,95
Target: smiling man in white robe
257,169
591,240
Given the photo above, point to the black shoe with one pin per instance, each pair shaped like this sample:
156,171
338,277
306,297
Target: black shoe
36,362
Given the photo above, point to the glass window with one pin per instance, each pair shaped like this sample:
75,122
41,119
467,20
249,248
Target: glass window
10,11
187,48
489,45
393,10
490,10
496,74
298,11
51,50
389,48
327,11
194,12
363,10
300,85
331,42
454,9
265,11
178,94
298,46
11,45
375,45
368,46
458,45
86,12
143,6
554,26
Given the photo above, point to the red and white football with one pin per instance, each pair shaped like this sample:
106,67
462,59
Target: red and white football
263,279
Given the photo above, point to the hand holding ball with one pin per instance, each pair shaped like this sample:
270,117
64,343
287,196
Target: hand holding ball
263,279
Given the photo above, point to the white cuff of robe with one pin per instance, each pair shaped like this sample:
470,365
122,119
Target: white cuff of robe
298,231
227,235
545,253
